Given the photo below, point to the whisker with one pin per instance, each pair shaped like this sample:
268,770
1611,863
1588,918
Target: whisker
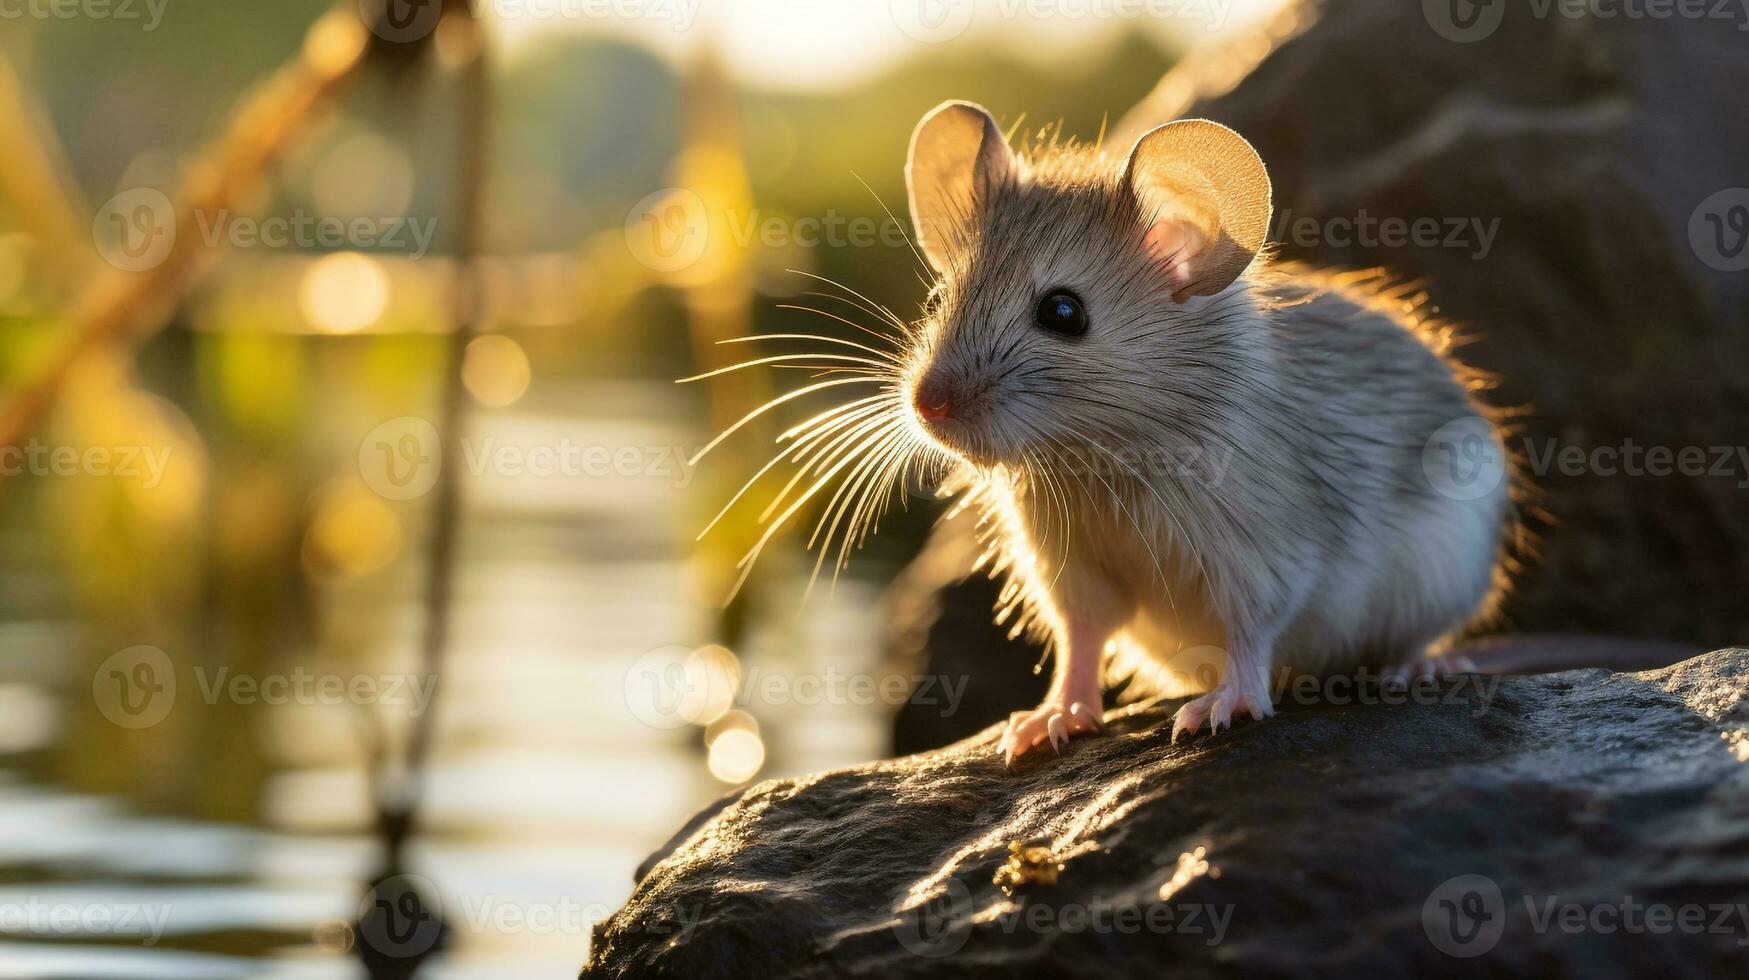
747,561
828,423
913,246
773,403
851,489
810,336
885,313
781,358
793,430
896,342
814,462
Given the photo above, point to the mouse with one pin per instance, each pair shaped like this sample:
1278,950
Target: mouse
1197,469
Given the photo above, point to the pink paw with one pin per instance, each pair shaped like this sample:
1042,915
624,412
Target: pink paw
1056,720
1217,708
1403,674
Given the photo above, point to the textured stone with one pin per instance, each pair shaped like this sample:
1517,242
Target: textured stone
1324,839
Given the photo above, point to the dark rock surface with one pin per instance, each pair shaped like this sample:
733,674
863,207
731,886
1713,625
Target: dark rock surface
1337,838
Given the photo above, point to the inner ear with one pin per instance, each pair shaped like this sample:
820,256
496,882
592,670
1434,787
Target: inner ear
1203,194
957,158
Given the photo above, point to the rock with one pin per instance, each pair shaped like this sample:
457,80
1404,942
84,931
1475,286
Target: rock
1436,834
1589,150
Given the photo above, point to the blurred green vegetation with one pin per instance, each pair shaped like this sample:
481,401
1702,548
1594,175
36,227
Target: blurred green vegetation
260,545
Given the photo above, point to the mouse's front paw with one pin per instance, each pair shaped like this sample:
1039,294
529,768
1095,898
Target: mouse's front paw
1055,721
1217,708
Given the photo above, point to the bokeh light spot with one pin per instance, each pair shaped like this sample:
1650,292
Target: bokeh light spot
495,370
737,755
344,292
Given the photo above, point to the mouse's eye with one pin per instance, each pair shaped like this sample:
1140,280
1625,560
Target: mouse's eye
1061,312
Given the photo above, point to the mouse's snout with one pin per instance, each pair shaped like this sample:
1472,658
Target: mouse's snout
933,399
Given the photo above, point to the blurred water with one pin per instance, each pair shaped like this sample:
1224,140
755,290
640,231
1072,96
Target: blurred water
545,790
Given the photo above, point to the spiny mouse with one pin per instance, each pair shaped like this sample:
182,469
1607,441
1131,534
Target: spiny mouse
1197,469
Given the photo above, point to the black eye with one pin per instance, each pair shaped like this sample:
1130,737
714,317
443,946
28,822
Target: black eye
1061,312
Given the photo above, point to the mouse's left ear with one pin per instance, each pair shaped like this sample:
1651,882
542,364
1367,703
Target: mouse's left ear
1204,196
957,160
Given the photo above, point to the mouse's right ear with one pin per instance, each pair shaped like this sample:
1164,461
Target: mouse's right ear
1204,196
957,158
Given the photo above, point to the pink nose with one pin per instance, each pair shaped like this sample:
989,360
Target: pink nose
932,401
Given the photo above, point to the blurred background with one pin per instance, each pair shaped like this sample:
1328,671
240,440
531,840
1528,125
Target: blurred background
347,529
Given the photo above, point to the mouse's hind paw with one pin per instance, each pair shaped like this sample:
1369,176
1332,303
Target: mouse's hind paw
1218,706
1055,721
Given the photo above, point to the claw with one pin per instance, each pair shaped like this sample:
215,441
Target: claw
1217,708
1056,722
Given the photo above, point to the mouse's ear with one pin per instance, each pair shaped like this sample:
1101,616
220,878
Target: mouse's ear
1204,195
957,158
